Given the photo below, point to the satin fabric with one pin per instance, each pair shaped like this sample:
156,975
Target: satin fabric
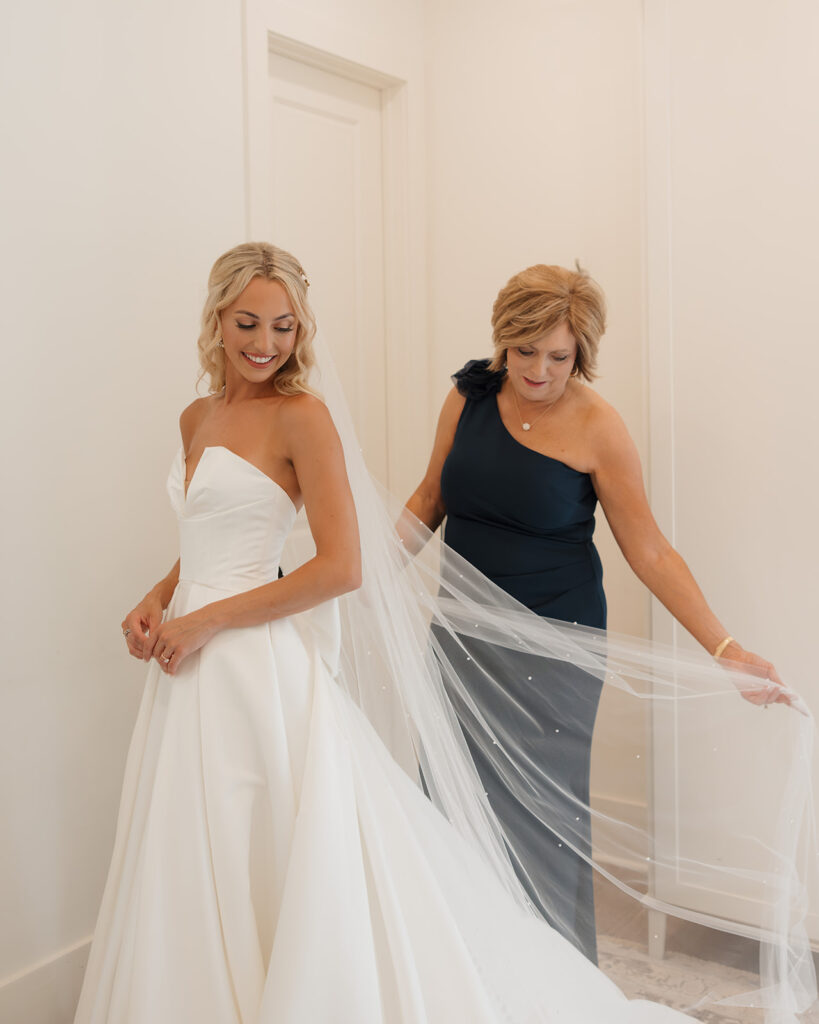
272,863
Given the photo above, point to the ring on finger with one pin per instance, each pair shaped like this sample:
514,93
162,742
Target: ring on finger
166,660
125,633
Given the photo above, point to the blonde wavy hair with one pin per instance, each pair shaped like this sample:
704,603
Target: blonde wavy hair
541,298
230,275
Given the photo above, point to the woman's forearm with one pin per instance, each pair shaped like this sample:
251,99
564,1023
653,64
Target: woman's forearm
418,508
669,579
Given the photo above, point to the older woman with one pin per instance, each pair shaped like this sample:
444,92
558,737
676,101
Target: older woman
523,452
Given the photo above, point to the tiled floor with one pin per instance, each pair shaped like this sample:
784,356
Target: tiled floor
700,963
679,980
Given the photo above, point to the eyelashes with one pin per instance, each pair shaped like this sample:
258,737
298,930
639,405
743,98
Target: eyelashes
250,327
557,359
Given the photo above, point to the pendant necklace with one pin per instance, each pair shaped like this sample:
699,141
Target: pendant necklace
527,425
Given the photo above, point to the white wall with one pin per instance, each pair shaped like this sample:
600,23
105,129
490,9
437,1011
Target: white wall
736,341
125,176
123,179
534,123
374,42
534,119
733,160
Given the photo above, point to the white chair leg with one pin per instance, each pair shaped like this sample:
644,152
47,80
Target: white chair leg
657,922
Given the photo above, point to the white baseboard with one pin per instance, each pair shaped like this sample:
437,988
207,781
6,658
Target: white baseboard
47,992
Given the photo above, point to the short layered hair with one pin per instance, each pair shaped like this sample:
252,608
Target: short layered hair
541,298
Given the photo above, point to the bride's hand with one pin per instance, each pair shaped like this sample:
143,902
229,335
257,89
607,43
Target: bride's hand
175,640
140,624
770,689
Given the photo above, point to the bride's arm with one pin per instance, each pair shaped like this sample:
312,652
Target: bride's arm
141,623
315,451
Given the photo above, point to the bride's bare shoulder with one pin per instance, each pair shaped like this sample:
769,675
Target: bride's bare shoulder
304,412
302,405
192,415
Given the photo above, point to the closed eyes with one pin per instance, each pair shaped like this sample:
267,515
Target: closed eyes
526,352
279,330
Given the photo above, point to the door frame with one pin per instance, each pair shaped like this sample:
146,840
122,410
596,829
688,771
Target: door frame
407,385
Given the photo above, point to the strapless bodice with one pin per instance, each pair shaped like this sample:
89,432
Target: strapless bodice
233,523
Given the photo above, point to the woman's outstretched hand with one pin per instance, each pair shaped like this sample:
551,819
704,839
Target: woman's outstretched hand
771,689
174,641
140,624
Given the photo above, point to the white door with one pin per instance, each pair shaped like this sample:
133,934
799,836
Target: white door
327,209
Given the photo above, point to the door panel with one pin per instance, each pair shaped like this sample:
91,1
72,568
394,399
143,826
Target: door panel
327,208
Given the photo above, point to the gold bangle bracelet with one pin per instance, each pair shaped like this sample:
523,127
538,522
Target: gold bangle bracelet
722,645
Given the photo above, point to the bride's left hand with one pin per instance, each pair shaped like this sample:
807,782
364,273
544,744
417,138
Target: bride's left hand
176,640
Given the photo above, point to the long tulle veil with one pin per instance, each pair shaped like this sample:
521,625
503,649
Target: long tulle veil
728,845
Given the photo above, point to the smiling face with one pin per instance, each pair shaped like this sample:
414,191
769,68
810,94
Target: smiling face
258,332
539,370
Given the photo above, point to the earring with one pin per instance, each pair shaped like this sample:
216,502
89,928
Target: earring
575,371
220,344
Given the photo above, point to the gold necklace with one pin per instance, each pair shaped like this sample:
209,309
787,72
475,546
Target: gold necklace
526,425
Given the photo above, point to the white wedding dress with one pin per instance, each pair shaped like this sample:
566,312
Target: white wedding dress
273,864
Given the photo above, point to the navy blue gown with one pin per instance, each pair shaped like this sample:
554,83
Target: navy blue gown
526,521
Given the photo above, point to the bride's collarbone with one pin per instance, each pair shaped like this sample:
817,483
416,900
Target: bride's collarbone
251,431
257,443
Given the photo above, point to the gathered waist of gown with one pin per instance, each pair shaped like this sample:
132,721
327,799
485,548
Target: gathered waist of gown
226,578
198,593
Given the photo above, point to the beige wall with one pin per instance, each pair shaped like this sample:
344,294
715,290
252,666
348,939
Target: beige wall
735,346
382,45
123,176
733,160
534,122
535,156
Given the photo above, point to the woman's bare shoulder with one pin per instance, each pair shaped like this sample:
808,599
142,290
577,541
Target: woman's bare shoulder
453,405
604,429
192,415
597,413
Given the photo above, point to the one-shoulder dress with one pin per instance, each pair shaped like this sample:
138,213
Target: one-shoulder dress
526,521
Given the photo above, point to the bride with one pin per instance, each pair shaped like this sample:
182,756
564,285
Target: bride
276,860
